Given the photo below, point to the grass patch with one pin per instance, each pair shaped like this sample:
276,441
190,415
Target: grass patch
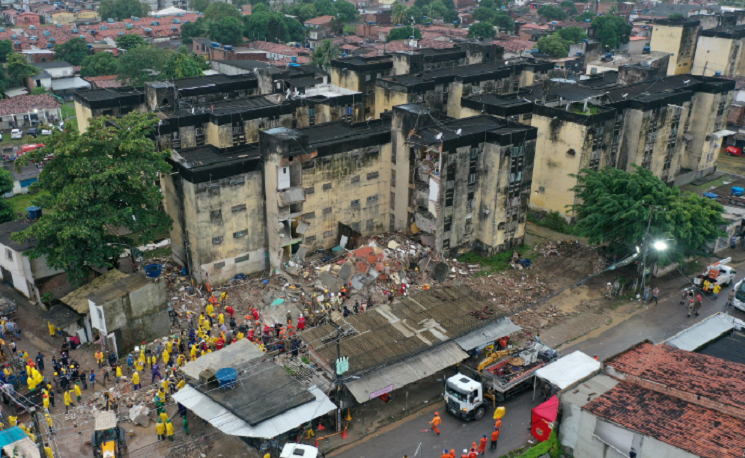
21,202
305,359
68,110
551,448
71,124
496,263
290,370
712,184
553,221
157,253
579,109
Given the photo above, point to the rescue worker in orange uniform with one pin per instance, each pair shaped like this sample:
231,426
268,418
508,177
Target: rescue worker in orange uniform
436,422
482,445
452,453
445,454
494,438
465,454
473,453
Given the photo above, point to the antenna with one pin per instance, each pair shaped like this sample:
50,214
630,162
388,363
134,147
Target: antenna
624,96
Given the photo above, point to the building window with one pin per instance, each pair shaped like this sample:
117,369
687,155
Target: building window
326,186
327,210
241,93
356,179
471,178
372,200
310,190
8,254
309,215
328,234
370,223
216,215
474,153
238,208
448,223
372,175
355,226
216,240
237,181
393,178
356,203
367,77
393,201
241,259
310,239
240,234
219,265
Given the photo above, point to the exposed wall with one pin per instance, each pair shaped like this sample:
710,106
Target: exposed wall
701,153
386,99
678,40
719,54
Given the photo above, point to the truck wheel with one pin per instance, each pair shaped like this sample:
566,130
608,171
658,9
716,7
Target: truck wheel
479,413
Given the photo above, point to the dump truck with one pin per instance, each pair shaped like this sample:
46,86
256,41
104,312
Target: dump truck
718,273
512,372
109,439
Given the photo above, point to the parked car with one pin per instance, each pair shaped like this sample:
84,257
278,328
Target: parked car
61,126
16,134
734,151
46,132
33,132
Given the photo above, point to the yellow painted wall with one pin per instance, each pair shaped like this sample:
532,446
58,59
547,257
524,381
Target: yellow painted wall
668,39
713,54
387,99
82,114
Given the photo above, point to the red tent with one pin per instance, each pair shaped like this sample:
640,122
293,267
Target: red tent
542,418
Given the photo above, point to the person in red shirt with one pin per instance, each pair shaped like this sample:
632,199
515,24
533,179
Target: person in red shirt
482,445
255,314
251,335
498,423
301,323
230,311
220,343
494,438
473,453
452,453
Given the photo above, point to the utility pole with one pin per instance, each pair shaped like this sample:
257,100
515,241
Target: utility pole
339,369
39,439
645,245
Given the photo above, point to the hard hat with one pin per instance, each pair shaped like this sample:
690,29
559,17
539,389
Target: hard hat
437,413
484,435
55,373
444,451
465,450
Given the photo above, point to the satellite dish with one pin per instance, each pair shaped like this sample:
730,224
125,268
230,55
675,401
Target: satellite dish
439,136
368,118
686,81
457,132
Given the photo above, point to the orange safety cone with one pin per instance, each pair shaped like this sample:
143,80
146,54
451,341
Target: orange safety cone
344,433
316,443
321,427
349,417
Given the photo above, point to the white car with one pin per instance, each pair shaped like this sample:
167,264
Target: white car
61,126
46,132
16,134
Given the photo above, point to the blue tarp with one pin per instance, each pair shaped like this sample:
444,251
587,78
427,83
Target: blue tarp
11,435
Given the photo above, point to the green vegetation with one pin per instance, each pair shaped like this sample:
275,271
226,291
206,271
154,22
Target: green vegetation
580,109
73,51
403,33
492,264
482,29
99,64
18,70
553,221
325,53
68,110
553,45
552,13
131,41
550,447
122,9
612,31
20,202
157,253
584,16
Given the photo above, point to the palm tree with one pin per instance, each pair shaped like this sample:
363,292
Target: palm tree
398,14
325,53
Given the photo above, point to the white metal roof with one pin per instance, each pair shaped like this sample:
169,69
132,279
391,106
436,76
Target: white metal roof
702,333
70,83
487,334
568,369
16,91
222,419
407,371
233,356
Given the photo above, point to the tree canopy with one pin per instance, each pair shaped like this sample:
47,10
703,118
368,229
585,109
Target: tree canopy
141,64
19,69
403,33
73,51
616,205
416,14
99,64
38,91
612,31
184,64
98,181
6,186
295,29
451,16
131,41
199,5
482,29
228,31
676,17
219,10
398,14
585,16
191,30
324,53
553,13
484,14
572,34
553,45
6,47
267,27
568,6
504,21
122,9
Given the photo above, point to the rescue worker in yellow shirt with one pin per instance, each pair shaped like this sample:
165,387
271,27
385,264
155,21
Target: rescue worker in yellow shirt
169,430
163,416
181,384
50,423
48,451
46,403
160,429
99,359
209,309
118,373
221,318
166,356
136,380
12,421
31,383
7,371
181,360
169,346
164,385
52,330
139,366
78,393
68,401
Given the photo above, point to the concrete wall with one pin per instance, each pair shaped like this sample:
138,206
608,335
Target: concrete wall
386,99
678,40
701,153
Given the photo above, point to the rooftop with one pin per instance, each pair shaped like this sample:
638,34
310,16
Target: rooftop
332,132
119,288
573,92
320,20
78,299
668,84
632,59
27,103
11,227
213,80
53,64
203,156
230,106
703,432
244,64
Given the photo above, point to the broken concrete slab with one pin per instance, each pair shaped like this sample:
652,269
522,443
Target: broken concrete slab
138,415
345,273
440,271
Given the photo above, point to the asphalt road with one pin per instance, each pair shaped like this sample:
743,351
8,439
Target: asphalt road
657,323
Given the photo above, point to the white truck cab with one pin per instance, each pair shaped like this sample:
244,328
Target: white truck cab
718,273
293,450
464,397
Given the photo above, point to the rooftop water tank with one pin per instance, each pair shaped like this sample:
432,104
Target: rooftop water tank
588,20
174,28
52,40
92,32
176,21
226,377
34,37
215,44
33,212
227,47
18,42
46,33
82,36
608,55
153,270
103,27
717,73
148,30
14,36
135,18
59,26
294,59
50,45
121,33
74,30
32,27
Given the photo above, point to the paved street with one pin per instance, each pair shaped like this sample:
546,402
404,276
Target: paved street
656,323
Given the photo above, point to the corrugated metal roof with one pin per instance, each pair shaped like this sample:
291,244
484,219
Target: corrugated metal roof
407,371
222,419
11,435
234,355
78,299
487,334
702,333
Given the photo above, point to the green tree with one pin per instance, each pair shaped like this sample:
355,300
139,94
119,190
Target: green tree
260,8
554,45
192,30
140,65
324,53
183,65
451,16
486,4
403,33
398,14
616,206
416,13
258,2
585,16
676,17
227,30
449,4
306,12
97,182
612,31
6,186
438,9
484,14
482,29
199,5
219,10
572,34
325,8
6,47
349,30
131,41
38,91
19,69
552,13
504,21
568,6
99,64
347,11
295,29
422,3
122,9
73,51
267,27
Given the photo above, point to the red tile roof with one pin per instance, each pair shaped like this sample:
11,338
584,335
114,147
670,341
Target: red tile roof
516,45
104,81
275,48
703,432
26,103
320,20
705,377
